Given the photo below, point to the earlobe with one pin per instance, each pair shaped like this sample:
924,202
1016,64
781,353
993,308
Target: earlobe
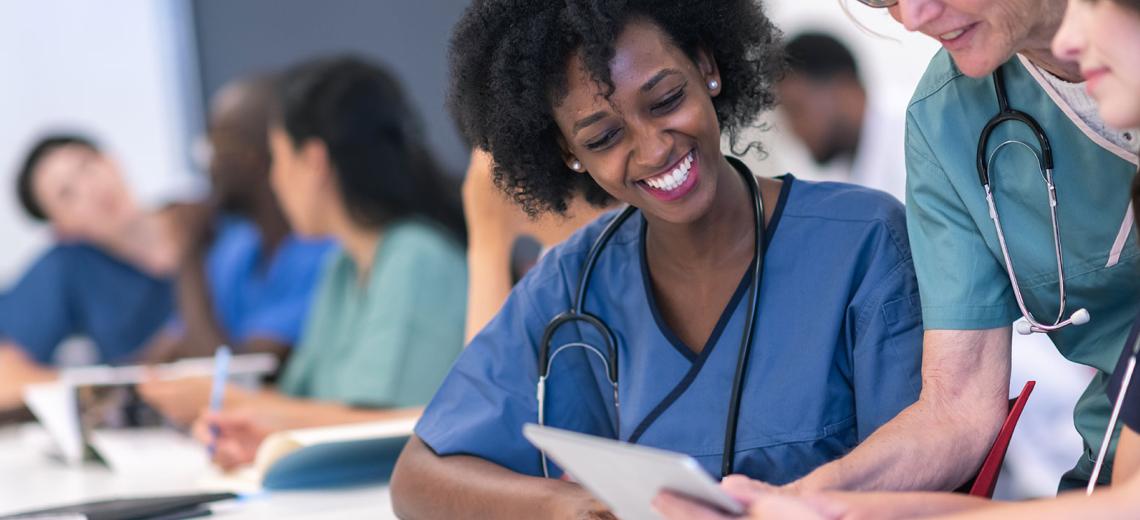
709,71
568,157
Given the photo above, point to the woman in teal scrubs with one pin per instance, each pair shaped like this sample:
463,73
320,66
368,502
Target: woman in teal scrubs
387,320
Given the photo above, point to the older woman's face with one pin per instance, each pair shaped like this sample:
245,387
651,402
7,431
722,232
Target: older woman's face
979,34
1104,39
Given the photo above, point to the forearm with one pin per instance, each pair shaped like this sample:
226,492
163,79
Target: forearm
488,280
425,485
203,332
1108,504
891,506
926,447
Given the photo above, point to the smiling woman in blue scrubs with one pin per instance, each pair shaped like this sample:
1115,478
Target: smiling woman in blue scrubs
629,100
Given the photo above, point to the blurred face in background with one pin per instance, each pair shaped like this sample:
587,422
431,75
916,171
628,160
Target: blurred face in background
83,194
1103,37
301,180
980,35
813,111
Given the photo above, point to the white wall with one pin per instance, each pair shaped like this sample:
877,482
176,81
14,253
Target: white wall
891,63
122,71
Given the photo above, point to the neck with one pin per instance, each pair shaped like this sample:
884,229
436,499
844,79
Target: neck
715,238
1038,47
360,245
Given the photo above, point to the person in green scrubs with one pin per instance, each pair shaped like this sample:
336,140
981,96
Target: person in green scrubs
349,162
968,300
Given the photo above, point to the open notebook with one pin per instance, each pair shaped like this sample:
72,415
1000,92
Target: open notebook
322,457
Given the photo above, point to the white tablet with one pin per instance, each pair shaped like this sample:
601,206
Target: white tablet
625,476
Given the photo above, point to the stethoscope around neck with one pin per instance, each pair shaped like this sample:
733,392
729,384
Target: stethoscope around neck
576,314
1045,162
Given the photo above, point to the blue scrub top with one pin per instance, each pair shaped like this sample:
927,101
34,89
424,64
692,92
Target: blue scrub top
76,289
254,299
837,347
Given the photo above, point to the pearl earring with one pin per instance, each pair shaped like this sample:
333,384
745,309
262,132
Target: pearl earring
713,84
576,166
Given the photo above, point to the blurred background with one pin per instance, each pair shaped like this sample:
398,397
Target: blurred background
135,74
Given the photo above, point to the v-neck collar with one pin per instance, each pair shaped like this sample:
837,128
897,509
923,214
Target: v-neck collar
698,361
737,295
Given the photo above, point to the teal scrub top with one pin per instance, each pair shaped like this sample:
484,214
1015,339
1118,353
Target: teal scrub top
961,273
390,341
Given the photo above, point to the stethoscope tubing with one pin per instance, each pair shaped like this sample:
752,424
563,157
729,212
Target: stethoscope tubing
576,313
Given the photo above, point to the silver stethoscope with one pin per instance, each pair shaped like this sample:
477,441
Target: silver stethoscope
1045,160
576,314
1030,323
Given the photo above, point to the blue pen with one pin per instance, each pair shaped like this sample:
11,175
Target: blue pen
218,390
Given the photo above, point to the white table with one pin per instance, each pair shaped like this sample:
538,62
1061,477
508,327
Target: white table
29,479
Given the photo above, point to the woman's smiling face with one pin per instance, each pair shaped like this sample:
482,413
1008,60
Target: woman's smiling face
980,35
655,142
1104,39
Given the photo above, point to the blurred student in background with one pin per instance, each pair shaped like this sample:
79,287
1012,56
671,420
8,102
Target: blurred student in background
349,161
245,280
829,110
107,277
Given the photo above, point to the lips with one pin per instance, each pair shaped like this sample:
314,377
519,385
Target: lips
674,182
1093,78
955,39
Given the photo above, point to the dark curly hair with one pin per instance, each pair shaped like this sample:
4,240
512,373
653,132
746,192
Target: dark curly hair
508,69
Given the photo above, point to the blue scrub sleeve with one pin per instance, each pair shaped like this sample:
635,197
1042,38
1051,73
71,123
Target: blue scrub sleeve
37,312
964,287
885,315
489,394
282,309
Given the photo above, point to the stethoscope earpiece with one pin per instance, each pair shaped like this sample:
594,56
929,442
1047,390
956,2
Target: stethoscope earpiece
1080,317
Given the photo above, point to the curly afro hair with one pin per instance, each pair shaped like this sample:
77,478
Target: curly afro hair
508,70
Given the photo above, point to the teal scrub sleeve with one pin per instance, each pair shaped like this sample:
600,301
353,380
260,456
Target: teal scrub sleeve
886,317
417,328
963,286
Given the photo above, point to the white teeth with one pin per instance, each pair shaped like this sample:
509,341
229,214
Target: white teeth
951,35
672,180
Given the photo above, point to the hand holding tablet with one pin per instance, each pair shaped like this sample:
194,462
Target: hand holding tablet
627,477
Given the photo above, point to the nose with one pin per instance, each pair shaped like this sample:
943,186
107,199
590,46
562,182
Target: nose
652,146
916,14
1069,42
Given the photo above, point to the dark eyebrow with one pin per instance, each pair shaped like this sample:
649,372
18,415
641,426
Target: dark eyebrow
657,79
587,121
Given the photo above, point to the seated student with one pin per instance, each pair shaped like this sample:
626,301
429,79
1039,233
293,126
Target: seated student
349,162
246,281
632,99
108,276
1101,36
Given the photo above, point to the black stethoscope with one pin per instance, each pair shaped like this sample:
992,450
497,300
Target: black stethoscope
1045,161
576,314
